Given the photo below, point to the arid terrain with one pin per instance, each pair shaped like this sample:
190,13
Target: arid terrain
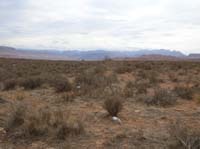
99,104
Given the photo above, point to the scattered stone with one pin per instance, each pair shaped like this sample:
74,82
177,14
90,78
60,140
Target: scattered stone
116,119
78,87
137,111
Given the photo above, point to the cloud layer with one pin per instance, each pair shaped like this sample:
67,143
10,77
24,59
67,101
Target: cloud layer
101,24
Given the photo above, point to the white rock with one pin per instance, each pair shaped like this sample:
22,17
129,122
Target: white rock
116,119
2,130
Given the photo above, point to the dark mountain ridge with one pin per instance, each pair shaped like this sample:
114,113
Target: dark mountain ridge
86,55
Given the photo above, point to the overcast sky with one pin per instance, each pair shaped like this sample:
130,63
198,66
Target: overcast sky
101,24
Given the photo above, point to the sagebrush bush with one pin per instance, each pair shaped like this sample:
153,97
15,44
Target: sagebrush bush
186,137
184,92
123,69
31,122
30,83
16,116
161,97
62,85
9,84
113,105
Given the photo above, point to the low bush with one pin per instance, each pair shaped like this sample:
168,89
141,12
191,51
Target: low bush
123,69
62,85
184,92
113,105
186,138
161,97
9,84
42,122
30,83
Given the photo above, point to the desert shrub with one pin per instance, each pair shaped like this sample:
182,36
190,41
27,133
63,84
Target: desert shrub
67,97
185,137
129,89
161,97
136,88
198,99
89,81
141,86
41,122
16,116
184,92
124,69
173,77
30,83
151,75
62,85
9,84
113,105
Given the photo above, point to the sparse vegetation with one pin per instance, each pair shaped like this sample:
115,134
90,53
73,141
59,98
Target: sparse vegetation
9,84
186,137
65,104
184,92
30,83
161,97
113,105
30,122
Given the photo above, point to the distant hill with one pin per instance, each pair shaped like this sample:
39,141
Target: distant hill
194,56
8,52
153,54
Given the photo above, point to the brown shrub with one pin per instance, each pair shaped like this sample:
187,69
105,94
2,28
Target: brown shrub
45,121
124,69
9,84
30,83
62,85
161,97
113,105
184,92
186,137
16,116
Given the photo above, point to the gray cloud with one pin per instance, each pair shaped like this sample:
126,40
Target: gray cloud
110,24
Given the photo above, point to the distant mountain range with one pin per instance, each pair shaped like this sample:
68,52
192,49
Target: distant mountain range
9,52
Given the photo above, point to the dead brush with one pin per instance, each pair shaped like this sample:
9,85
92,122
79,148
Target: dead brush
113,105
161,97
186,137
42,122
9,84
30,83
184,92
62,85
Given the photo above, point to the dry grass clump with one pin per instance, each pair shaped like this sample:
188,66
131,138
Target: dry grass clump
9,84
67,97
91,81
123,69
62,85
136,88
184,92
113,105
186,137
161,97
30,83
43,122
16,116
